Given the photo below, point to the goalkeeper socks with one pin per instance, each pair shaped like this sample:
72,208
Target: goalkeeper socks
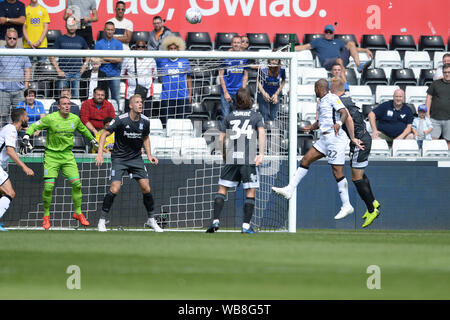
107,204
219,202
298,176
148,203
76,194
365,193
249,207
343,191
4,204
49,184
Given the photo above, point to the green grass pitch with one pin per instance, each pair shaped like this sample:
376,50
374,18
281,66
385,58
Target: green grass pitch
311,264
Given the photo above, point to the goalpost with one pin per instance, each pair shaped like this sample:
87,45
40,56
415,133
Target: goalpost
185,181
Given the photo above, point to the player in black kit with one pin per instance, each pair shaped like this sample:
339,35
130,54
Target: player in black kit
132,131
240,132
358,157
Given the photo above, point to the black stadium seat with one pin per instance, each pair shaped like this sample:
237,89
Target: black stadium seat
402,43
374,76
139,35
258,41
223,40
426,77
374,42
282,39
350,74
431,44
402,78
366,108
101,35
52,35
198,41
346,38
308,37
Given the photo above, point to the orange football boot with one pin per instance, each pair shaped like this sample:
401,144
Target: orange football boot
46,222
80,217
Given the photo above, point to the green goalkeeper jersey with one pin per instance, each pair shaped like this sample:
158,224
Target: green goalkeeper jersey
60,131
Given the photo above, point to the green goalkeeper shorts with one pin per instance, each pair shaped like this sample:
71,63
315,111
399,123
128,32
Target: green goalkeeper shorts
64,161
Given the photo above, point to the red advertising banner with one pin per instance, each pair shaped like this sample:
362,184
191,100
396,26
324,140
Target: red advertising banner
358,17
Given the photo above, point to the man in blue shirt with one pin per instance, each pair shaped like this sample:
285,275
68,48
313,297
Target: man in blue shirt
111,66
70,69
394,119
330,51
232,77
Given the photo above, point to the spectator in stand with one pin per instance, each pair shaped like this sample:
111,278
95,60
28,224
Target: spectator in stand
124,27
18,70
111,66
394,119
271,81
74,108
91,79
35,109
36,27
84,12
438,106
12,15
176,79
445,60
159,33
336,71
109,142
94,111
232,77
244,43
421,126
330,50
70,69
140,72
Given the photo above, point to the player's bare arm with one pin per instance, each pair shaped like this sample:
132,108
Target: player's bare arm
101,143
147,148
14,157
344,115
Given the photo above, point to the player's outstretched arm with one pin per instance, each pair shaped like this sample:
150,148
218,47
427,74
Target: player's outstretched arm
14,157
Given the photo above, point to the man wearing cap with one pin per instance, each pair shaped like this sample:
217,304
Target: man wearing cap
330,51
394,119
421,126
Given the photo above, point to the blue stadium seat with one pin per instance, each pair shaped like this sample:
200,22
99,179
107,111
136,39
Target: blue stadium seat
223,40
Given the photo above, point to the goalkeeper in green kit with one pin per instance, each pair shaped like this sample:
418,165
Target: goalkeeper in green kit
60,127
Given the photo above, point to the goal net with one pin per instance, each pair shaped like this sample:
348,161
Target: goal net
183,102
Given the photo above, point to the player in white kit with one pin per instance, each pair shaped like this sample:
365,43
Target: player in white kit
8,139
332,144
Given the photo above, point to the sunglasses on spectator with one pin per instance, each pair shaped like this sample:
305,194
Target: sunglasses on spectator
12,38
120,9
329,31
141,46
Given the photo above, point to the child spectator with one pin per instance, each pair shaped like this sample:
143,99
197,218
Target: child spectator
421,126
109,142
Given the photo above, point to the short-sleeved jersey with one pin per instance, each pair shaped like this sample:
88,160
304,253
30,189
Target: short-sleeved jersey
358,118
34,113
60,131
110,69
233,75
439,90
129,136
35,20
8,138
327,109
392,122
272,83
173,77
327,49
67,64
240,127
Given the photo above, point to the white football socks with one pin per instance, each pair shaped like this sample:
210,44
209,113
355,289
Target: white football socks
300,173
343,192
4,205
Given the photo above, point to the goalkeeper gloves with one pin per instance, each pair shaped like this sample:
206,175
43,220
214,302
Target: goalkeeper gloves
25,145
94,144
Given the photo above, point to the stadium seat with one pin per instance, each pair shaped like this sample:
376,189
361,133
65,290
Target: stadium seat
156,127
176,33
435,148
402,78
346,38
100,35
426,77
385,93
157,89
165,146
179,127
415,94
194,147
139,35
252,88
307,111
199,112
258,41
363,57
212,92
79,143
417,59
308,37
223,40
305,58
305,92
52,35
282,39
405,148
380,148
374,76
388,58
311,75
402,43
38,143
437,60
198,41
352,78
361,94
431,44
373,42
366,108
